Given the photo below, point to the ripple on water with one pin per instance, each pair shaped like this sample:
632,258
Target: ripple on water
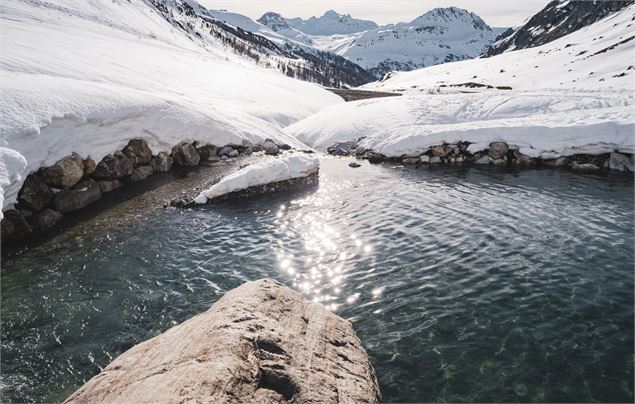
464,285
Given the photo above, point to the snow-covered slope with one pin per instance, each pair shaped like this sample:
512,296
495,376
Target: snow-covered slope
86,76
438,36
572,95
557,19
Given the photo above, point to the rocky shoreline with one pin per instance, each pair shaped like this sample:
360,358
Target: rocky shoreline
498,154
261,342
73,183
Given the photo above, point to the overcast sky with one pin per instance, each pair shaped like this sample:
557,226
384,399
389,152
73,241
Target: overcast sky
496,13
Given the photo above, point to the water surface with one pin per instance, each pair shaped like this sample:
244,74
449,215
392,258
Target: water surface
463,285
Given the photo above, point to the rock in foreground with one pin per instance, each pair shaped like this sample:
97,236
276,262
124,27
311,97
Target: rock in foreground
262,342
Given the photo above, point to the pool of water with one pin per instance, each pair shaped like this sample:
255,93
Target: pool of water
463,285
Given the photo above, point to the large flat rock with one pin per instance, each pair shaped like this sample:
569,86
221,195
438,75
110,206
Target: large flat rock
262,342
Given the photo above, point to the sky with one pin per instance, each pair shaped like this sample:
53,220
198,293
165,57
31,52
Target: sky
496,13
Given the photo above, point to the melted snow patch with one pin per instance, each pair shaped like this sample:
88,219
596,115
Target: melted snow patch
261,173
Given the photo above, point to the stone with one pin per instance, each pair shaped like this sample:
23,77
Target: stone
584,166
359,151
207,151
138,152
141,173
14,226
65,173
439,151
89,166
523,159
161,163
620,162
82,195
498,150
113,167
233,153
484,160
260,343
342,148
435,160
375,158
354,164
248,151
270,147
46,219
425,159
410,160
109,185
185,155
34,194
225,151
285,147
559,162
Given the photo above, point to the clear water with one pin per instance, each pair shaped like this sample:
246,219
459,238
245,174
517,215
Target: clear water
464,285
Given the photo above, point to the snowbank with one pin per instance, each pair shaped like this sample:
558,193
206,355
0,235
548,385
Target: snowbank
573,95
85,77
264,172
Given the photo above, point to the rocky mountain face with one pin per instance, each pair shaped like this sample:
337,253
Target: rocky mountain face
557,19
290,57
438,36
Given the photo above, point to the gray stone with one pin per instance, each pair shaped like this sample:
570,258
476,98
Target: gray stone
185,155
141,173
354,164
207,151
225,151
410,160
435,160
65,173
559,162
498,150
523,159
439,151
342,148
270,147
109,185
138,152
584,166
285,146
46,219
161,163
484,160
14,226
34,194
248,151
260,343
425,159
620,162
359,150
375,158
233,153
82,195
89,166
113,167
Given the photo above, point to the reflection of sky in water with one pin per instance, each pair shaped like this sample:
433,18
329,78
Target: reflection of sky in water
319,267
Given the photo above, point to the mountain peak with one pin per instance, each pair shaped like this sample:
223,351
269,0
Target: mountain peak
449,15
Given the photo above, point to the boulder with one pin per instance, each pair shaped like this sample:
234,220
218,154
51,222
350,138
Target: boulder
248,151
83,194
270,147
14,226
161,163
523,159
354,164
185,155
375,158
141,173
206,151
46,219
439,151
89,166
34,194
484,160
260,343
285,146
113,166
498,150
138,152
224,151
65,173
109,185
342,148
425,159
233,153
620,162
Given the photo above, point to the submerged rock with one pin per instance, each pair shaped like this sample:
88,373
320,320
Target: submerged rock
65,173
83,194
34,194
108,186
260,343
185,155
141,173
46,219
138,152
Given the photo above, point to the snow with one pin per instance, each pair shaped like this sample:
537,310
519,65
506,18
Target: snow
87,76
549,112
261,173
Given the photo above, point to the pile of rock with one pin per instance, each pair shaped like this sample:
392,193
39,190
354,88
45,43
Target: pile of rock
74,183
497,154
260,343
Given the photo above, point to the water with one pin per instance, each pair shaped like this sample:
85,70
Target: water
463,285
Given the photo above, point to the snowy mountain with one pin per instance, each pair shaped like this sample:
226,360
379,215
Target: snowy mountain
557,19
573,95
438,36
87,76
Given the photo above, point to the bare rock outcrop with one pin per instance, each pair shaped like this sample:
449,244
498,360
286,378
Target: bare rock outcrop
261,343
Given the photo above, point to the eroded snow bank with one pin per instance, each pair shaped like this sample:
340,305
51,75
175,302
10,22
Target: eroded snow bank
261,173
